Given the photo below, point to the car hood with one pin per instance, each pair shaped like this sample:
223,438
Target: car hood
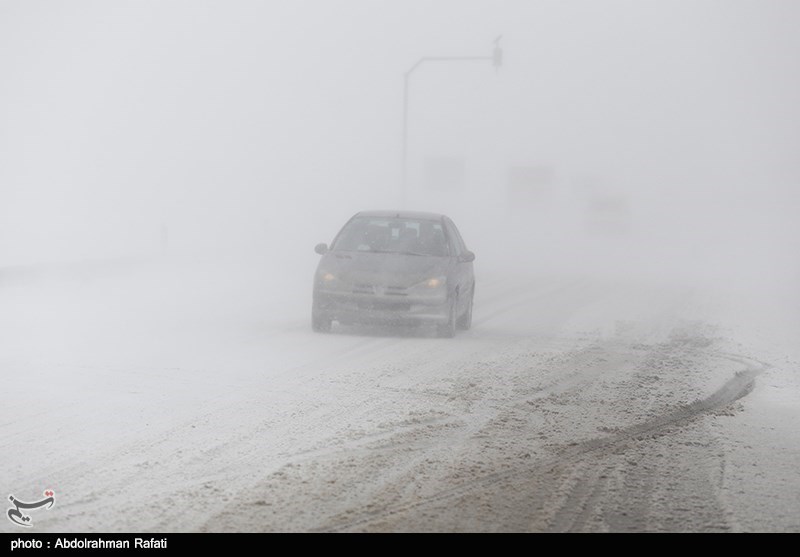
387,269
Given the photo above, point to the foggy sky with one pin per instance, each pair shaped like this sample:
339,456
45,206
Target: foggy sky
244,123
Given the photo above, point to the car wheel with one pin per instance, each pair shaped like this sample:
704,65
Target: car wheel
320,323
448,329
465,321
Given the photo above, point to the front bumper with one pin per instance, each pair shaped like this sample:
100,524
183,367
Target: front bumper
348,307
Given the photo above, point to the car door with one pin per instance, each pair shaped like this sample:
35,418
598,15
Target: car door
462,268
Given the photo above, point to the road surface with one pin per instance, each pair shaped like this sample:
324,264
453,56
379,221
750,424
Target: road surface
192,397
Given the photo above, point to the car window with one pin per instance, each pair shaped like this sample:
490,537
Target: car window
393,235
456,240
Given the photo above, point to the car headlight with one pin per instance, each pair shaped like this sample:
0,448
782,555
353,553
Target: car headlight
327,280
433,283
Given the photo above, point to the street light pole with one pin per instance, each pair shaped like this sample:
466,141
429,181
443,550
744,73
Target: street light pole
497,61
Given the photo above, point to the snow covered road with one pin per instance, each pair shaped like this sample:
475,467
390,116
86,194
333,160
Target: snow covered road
194,397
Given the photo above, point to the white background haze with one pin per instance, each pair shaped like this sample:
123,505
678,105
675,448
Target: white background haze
247,124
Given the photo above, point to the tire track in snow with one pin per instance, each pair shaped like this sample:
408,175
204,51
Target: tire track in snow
738,386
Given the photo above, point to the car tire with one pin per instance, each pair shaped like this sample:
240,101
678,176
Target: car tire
465,321
320,323
448,329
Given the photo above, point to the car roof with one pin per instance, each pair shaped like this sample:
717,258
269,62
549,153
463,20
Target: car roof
417,215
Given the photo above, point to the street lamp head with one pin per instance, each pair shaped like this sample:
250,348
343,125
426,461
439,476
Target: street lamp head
497,56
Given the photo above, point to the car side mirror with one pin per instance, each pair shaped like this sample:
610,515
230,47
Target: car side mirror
321,249
467,257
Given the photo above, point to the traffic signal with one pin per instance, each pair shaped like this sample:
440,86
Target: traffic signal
497,57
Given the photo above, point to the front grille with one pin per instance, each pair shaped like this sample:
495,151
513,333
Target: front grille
363,289
372,290
395,291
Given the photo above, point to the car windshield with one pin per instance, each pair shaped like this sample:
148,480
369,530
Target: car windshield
393,235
